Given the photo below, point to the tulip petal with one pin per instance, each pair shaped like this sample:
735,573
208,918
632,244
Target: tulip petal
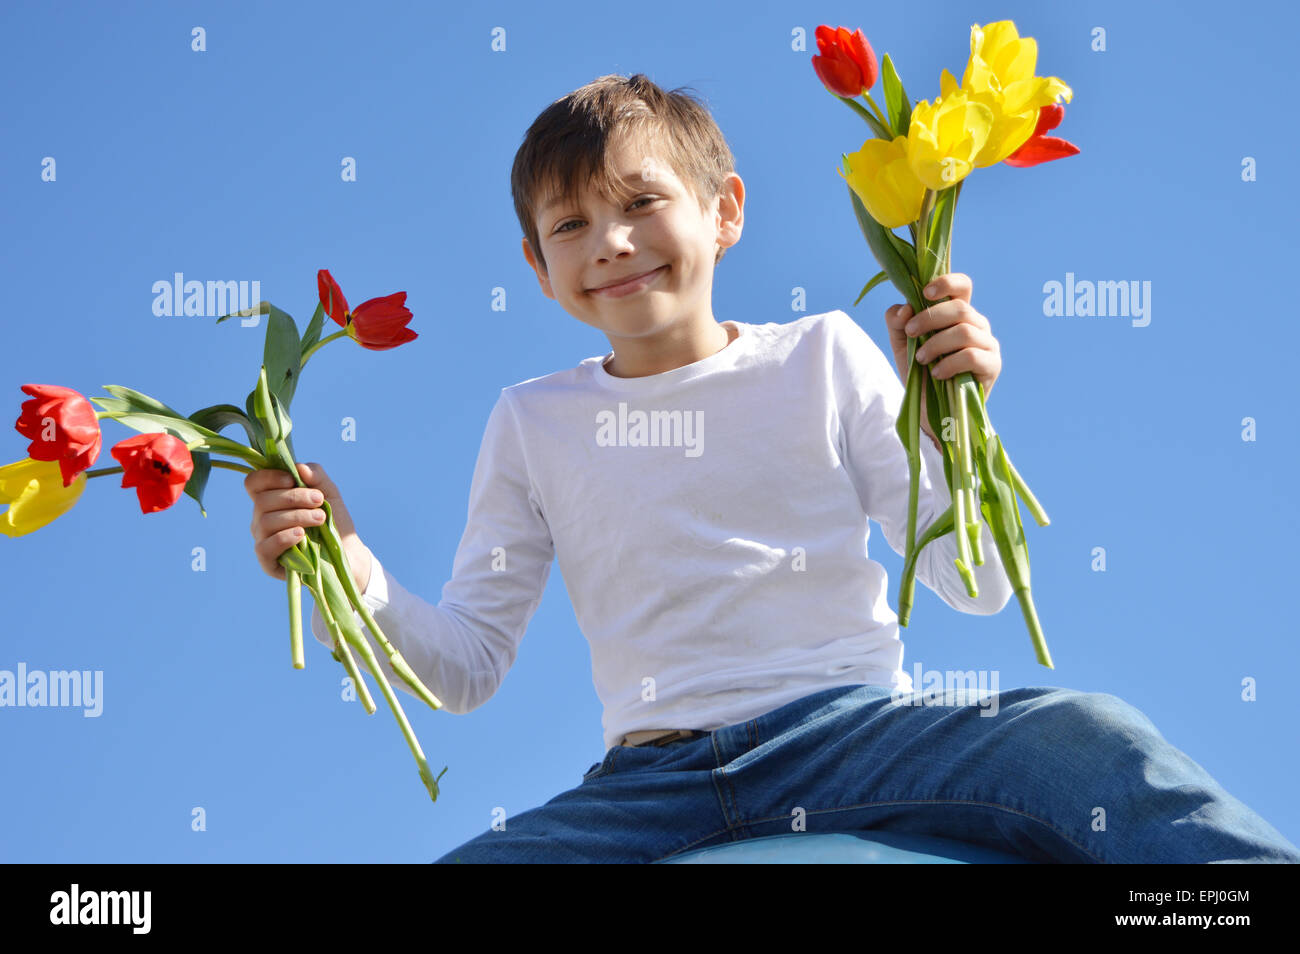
401,338
36,496
382,307
1015,61
74,438
864,56
157,465
839,76
1042,149
331,297
882,178
845,62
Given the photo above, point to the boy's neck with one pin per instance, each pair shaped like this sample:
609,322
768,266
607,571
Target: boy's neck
639,357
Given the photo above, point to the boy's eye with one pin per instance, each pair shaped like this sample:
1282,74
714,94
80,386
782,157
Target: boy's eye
561,227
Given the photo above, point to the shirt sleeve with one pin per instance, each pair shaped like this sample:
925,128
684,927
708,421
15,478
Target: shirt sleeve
869,396
462,647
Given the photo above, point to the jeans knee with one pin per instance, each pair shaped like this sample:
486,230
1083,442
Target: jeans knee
1096,720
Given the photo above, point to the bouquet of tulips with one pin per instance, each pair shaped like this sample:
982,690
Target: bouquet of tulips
174,453
910,173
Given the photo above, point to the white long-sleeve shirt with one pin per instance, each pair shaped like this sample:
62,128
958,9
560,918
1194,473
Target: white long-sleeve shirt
711,527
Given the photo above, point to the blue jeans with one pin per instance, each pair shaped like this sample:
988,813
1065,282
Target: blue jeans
1053,775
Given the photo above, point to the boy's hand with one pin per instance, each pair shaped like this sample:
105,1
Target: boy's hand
280,507
960,338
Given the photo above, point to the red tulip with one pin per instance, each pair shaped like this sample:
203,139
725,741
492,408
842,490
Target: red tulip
845,63
378,324
157,465
1039,148
62,426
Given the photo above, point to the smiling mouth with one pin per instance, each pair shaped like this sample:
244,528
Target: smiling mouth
618,286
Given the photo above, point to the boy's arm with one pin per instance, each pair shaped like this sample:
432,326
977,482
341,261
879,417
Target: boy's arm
869,397
462,647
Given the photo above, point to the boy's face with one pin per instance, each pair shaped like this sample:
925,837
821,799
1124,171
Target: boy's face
658,227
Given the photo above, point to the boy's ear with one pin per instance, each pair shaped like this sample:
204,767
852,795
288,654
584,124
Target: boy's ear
542,278
731,211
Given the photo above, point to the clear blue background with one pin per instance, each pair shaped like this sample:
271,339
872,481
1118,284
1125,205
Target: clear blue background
225,164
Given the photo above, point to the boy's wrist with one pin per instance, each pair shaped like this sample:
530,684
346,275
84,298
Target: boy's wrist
358,555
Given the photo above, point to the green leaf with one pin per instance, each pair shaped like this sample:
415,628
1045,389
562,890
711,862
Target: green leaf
180,427
885,251
258,309
312,335
338,603
272,416
135,401
219,416
286,423
905,251
876,280
1002,512
199,478
937,529
260,435
934,417
282,355
939,239
897,103
262,410
904,426
294,559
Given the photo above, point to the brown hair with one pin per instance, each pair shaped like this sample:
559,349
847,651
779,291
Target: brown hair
570,142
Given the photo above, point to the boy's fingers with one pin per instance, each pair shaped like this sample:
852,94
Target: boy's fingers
314,475
266,479
951,285
320,481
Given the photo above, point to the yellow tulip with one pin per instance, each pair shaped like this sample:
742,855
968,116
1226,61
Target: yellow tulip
945,136
883,179
36,496
1000,76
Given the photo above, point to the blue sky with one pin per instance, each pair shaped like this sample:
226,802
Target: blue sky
225,164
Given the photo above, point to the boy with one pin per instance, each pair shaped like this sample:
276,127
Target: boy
706,488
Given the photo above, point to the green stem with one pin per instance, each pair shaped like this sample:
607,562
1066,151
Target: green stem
318,345
974,445
958,494
224,445
334,548
342,651
228,465
912,425
362,644
880,113
294,581
1035,508
922,241
880,129
1030,613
